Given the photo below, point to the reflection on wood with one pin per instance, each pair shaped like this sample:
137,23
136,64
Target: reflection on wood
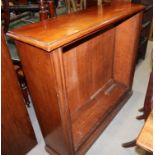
81,73
17,133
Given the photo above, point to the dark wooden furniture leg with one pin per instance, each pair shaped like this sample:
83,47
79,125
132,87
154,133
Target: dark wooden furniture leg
51,8
147,108
148,98
140,117
129,144
43,12
21,78
22,82
6,15
141,109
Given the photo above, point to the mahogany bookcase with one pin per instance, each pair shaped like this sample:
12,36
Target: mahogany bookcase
79,69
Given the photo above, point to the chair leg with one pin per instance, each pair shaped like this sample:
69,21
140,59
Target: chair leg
6,15
26,95
141,109
81,5
73,5
84,4
99,2
68,5
140,117
22,82
129,144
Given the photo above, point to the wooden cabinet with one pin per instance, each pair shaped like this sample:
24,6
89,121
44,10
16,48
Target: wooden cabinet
79,68
145,27
17,133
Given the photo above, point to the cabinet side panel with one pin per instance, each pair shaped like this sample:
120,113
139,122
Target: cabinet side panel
126,44
38,68
17,133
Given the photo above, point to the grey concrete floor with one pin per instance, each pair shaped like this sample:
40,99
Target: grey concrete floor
124,126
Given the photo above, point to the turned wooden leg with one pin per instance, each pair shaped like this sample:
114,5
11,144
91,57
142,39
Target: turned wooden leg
129,144
22,82
26,95
43,12
51,7
73,3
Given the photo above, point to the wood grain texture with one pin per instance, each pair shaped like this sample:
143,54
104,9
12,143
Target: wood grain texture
145,138
83,65
63,101
90,117
126,44
17,133
42,82
92,138
79,87
51,34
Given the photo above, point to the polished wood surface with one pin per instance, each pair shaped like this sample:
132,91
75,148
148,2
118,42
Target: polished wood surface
92,138
43,89
126,44
77,83
145,138
90,116
65,29
79,87
17,133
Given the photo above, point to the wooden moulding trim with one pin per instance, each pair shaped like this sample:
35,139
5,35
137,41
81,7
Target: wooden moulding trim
100,121
50,150
62,99
84,148
49,46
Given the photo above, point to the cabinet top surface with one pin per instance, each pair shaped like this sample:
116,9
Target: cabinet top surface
54,33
